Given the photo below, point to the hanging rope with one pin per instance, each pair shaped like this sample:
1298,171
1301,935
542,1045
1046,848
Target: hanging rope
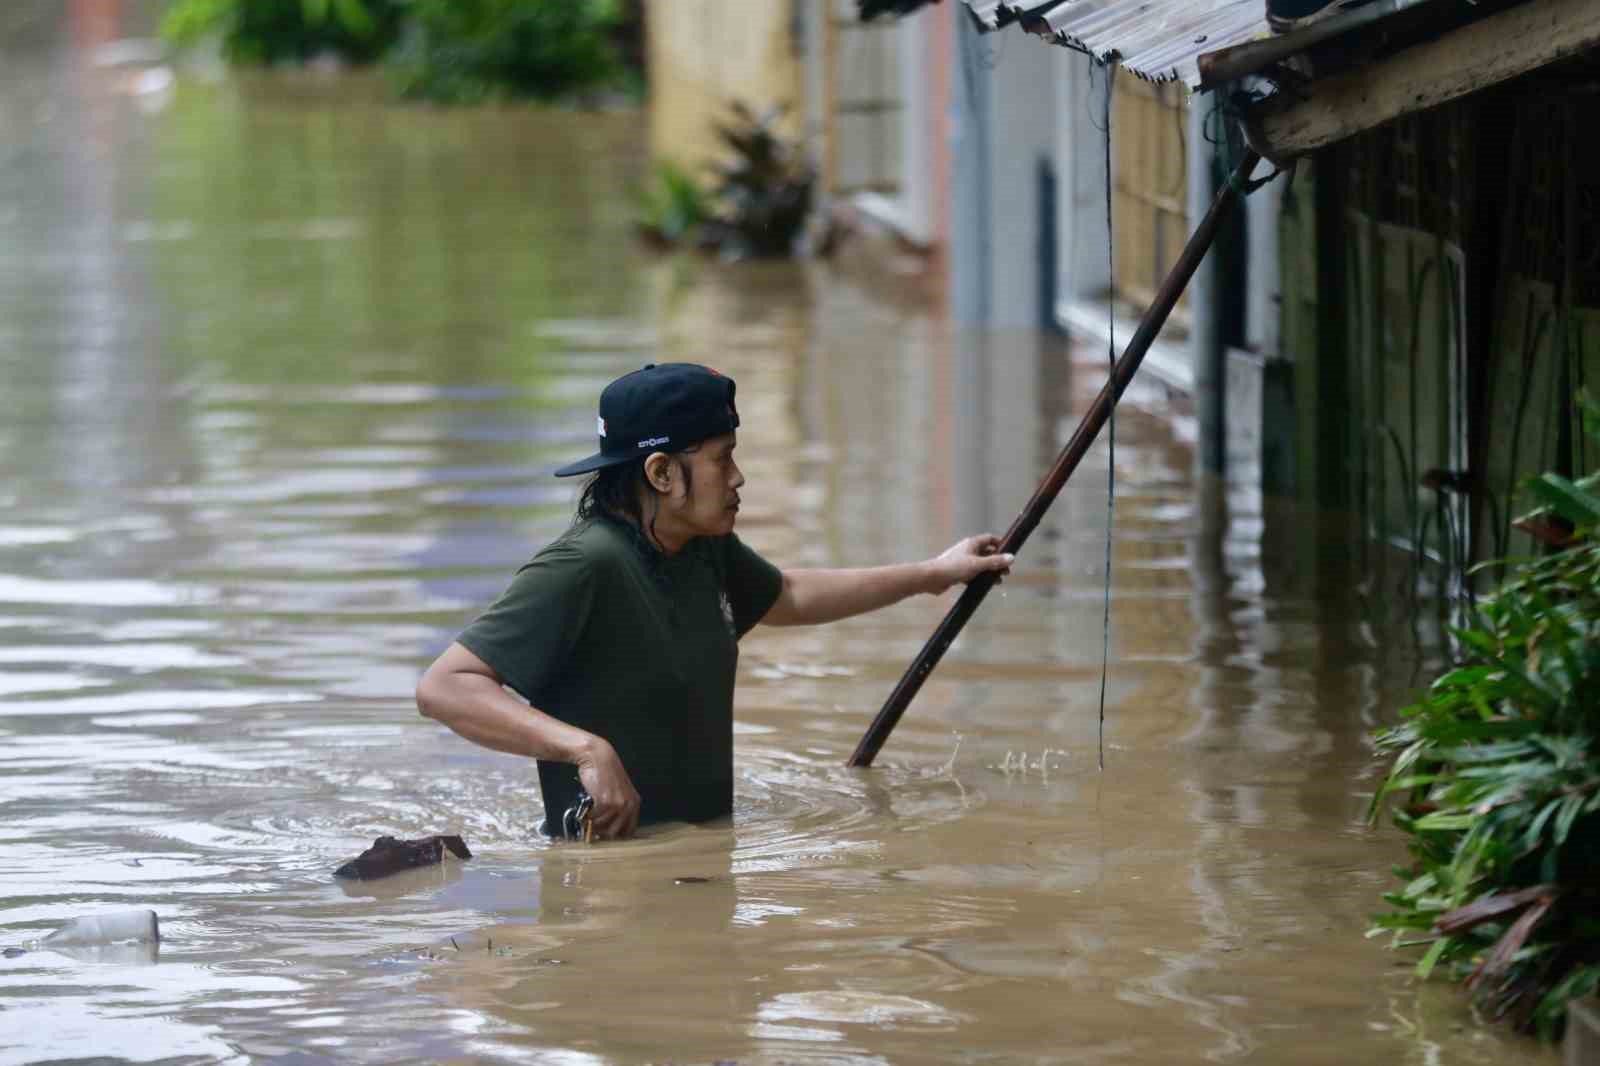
1111,424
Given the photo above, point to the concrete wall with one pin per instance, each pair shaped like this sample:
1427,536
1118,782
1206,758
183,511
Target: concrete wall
702,54
1004,126
1084,271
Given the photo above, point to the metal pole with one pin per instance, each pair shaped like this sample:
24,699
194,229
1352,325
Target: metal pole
1078,446
1209,353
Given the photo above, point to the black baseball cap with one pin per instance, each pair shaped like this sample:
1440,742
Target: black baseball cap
662,407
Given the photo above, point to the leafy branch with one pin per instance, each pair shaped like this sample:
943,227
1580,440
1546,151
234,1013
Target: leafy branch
1495,778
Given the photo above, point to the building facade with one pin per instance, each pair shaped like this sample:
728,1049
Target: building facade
1395,329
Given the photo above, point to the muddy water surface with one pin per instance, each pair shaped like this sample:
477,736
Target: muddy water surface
281,366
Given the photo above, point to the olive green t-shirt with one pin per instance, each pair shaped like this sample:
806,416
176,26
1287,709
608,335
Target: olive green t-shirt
638,648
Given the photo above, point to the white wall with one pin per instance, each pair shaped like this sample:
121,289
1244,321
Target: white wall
1004,95
1264,299
901,65
1084,272
1023,124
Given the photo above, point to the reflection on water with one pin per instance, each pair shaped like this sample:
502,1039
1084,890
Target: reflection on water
282,364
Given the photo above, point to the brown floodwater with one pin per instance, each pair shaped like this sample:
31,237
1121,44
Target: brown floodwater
280,367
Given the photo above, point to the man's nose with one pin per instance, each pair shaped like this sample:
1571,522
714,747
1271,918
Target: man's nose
738,477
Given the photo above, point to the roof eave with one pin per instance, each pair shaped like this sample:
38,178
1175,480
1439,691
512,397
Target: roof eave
1461,61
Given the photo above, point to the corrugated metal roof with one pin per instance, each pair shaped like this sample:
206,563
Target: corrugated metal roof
1159,40
987,12
1164,40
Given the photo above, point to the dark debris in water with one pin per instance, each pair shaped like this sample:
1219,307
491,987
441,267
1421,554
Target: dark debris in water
692,880
389,856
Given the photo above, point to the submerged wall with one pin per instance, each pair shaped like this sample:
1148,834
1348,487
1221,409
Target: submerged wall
1442,298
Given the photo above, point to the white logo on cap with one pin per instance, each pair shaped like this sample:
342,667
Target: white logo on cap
651,442
602,426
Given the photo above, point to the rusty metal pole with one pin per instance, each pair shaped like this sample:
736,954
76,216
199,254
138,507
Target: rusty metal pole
1078,446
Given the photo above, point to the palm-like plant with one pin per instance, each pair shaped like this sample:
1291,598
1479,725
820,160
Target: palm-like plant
671,206
1498,768
763,191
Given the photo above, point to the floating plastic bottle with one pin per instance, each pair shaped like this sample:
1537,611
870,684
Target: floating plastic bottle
117,928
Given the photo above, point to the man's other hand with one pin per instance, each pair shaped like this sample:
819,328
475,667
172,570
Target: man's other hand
965,560
616,801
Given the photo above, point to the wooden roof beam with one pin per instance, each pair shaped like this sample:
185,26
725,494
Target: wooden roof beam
1475,56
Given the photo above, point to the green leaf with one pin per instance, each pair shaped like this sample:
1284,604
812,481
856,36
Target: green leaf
1481,753
1590,412
1477,638
1570,809
1530,838
1465,677
1566,499
1401,784
1442,820
353,15
1426,964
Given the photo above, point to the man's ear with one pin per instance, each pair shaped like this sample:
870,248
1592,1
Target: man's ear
658,471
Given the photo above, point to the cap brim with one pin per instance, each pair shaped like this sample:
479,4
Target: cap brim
597,461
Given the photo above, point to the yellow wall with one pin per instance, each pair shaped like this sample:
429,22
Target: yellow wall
704,53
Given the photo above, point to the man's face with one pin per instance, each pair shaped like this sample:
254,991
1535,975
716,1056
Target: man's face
705,501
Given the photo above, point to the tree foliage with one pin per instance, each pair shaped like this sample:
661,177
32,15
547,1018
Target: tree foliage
1497,771
454,51
465,51
288,31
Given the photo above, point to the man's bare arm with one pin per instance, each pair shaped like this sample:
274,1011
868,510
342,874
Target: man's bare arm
811,597
466,694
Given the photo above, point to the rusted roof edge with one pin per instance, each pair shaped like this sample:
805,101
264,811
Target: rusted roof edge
1253,56
1209,51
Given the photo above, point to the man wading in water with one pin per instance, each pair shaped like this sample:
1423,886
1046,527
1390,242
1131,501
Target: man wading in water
623,632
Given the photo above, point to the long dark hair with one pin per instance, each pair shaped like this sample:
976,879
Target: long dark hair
614,492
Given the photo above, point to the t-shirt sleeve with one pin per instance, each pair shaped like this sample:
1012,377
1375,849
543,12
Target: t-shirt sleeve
752,583
528,634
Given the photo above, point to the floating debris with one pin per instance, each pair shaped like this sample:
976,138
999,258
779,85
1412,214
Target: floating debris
389,855
117,928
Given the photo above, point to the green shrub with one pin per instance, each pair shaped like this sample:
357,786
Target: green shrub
281,31
466,51
452,51
671,206
758,206
763,192
1498,768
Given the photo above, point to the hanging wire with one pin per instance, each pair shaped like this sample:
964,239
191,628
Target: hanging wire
1094,65
974,125
1111,422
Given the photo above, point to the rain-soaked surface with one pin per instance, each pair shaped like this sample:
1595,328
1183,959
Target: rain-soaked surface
280,365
